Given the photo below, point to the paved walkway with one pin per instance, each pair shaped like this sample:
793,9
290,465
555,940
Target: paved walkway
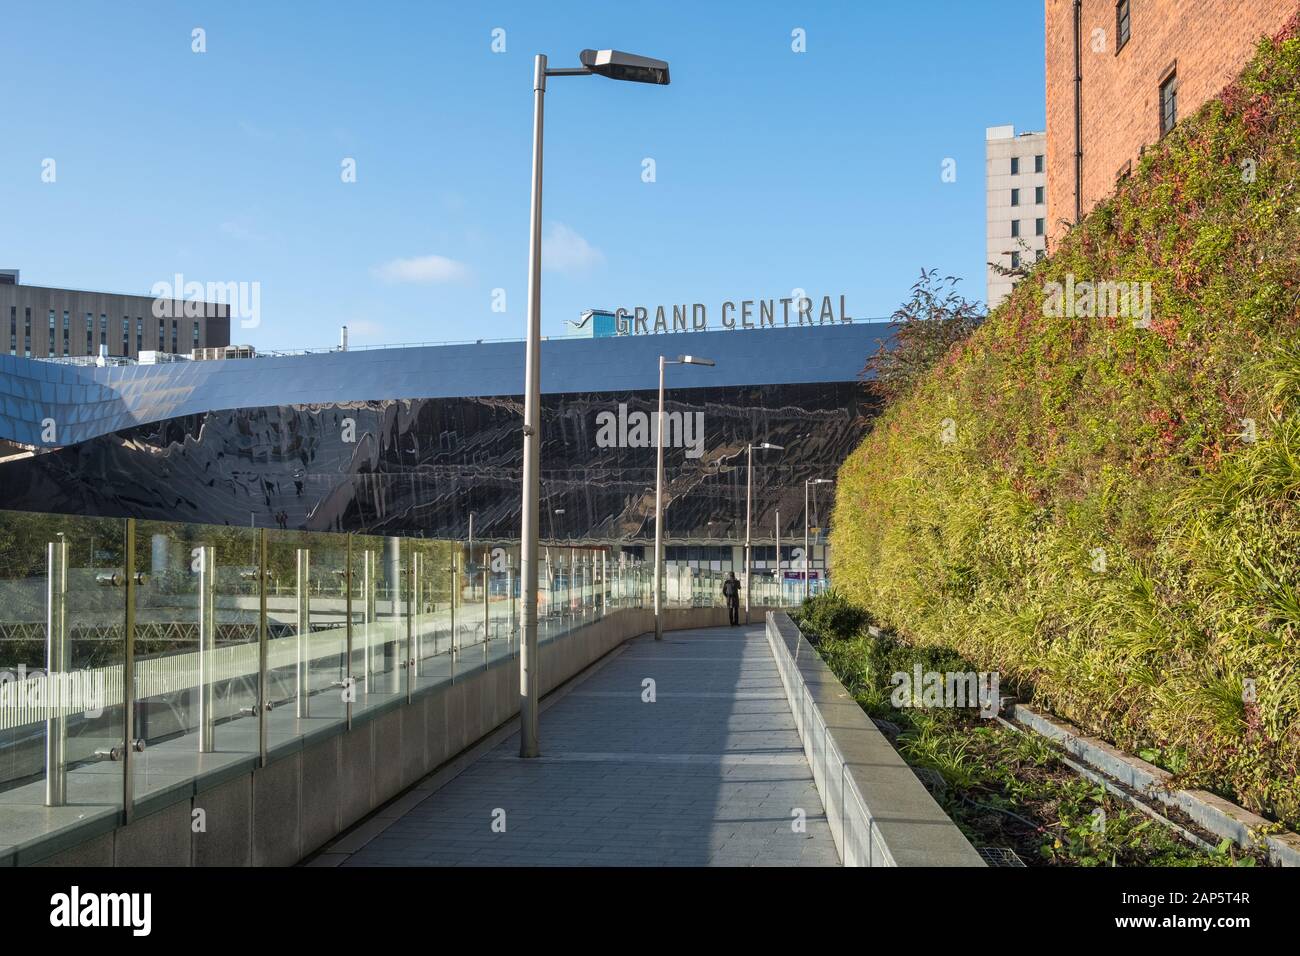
710,773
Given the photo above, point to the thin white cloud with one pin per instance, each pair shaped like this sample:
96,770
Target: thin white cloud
422,269
255,131
243,231
563,250
364,328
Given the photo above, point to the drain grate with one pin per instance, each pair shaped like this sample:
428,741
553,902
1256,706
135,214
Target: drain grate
932,779
887,727
999,856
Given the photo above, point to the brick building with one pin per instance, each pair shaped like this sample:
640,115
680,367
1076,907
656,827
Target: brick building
1141,65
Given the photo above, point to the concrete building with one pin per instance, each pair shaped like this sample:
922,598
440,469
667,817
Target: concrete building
1120,74
44,323
1016,204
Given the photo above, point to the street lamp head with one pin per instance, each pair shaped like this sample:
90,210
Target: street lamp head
818,481
768,446
694,360
617,65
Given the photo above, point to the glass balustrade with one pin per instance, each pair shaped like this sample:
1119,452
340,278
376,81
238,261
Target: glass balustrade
137,657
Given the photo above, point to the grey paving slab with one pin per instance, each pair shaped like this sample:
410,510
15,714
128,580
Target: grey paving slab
710,772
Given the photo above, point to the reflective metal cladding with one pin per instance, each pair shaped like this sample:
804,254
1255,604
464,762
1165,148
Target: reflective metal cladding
410,441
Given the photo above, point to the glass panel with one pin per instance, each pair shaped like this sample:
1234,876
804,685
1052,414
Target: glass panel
431,613
62,617
305,620
195,651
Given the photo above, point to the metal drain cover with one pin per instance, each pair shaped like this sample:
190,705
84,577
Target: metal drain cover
932,779
999,856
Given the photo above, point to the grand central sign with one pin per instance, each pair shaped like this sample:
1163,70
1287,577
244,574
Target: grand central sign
743,314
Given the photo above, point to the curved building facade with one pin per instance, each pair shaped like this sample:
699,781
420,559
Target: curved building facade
411,441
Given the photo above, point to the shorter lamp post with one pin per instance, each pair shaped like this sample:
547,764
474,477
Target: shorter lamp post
749,495
807,554
659,484
780,579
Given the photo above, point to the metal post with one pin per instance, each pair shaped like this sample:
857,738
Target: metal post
416,607
749,491
263,651
659,507
394,657
487,608
780,578
807,557
128,677
370,588
303,581
510,599
528,682
56,666
409,650
453,650
573,570
207,647
349,682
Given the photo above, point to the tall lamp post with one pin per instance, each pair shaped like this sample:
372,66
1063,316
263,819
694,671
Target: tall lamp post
659,483
807,554
749,494
615,66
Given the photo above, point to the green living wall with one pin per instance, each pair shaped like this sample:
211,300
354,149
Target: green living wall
1104,505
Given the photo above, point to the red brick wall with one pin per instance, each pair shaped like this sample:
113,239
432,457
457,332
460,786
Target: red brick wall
1207,40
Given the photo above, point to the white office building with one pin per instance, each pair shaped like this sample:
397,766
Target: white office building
1015,176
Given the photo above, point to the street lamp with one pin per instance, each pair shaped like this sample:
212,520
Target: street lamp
749,492
659,483
616,66
807,555
780,579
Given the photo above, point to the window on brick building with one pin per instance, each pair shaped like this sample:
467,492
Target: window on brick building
1123,24
1015,165
1038,163
1038,195
1169,103
1015,228
1015,260
1015,197
1040,226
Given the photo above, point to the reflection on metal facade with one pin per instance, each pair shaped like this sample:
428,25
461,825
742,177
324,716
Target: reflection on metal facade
410,441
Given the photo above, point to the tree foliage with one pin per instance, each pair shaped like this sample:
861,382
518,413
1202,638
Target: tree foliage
927,326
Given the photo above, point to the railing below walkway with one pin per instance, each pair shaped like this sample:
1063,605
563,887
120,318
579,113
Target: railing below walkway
140,656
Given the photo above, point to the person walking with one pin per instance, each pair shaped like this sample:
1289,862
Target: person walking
731,591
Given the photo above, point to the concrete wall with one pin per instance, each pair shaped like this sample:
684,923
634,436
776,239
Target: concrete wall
276,815
880,814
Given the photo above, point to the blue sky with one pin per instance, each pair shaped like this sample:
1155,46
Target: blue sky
774,170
